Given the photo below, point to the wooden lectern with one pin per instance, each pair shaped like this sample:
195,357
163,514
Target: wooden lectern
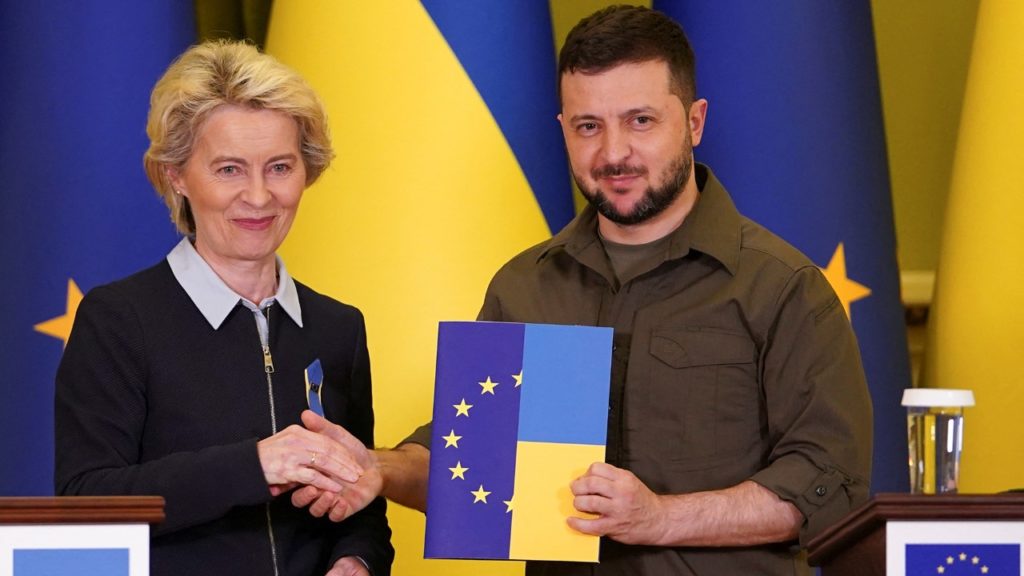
856,546
60,531
82,509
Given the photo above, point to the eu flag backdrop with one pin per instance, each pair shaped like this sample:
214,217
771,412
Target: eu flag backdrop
794,130
77,208
520,411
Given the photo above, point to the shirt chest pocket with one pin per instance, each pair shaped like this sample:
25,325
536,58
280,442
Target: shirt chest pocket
702,397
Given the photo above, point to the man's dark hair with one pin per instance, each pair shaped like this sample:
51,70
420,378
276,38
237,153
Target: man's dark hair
629,34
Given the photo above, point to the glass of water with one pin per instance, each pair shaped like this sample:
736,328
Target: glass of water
935,437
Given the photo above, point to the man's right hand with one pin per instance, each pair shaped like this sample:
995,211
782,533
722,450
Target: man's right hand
353,496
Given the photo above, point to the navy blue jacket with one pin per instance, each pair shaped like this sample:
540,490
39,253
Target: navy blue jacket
151,400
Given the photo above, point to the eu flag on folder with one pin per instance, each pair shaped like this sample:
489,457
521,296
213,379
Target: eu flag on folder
520,411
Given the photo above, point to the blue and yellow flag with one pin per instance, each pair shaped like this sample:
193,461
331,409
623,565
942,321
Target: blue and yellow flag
795,133
520,411
449,162
77,208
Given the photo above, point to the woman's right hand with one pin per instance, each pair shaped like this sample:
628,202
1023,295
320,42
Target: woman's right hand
296,456
355,495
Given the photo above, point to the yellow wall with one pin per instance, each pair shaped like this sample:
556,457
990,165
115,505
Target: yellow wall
923,51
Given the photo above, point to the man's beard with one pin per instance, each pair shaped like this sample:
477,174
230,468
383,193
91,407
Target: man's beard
654,201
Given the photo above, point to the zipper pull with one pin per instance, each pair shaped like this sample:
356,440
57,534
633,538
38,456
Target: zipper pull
268,360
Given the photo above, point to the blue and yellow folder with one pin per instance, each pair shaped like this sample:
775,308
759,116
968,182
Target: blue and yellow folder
520,411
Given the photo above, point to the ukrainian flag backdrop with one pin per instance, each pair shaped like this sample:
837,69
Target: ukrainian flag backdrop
450,161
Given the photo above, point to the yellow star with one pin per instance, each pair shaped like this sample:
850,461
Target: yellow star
480,495
963,556
462,409
488,386
941,569
949,559
451,439
518,378
60,327
847,290
984,569
508,505
458,471
975,560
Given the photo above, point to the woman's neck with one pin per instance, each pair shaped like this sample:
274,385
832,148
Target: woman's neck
254,280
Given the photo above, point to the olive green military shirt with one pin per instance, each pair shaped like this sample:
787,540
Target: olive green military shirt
733,360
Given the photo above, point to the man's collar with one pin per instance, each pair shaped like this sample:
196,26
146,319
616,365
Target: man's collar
214,299
714,225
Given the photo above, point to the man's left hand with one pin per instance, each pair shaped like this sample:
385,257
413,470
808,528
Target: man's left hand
626,509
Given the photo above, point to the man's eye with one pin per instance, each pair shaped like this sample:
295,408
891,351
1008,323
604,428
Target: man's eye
587,127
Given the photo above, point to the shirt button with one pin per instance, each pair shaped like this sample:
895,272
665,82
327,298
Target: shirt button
821,490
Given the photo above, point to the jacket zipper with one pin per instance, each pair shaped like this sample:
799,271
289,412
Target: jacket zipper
263,325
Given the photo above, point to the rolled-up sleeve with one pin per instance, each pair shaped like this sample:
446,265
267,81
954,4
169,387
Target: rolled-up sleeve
818,406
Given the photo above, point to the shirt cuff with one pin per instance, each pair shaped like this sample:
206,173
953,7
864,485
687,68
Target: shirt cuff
419,436
824,495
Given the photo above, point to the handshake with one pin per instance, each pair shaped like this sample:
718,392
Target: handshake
330,470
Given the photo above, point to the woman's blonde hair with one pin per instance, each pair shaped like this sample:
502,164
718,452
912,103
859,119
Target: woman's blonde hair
217,73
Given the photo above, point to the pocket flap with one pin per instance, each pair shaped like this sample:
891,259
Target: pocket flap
701,347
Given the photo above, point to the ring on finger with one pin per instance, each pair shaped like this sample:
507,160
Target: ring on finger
312,458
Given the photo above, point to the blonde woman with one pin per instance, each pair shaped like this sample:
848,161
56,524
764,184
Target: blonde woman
194,379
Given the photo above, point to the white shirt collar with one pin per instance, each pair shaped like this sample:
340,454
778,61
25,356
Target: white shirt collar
213,297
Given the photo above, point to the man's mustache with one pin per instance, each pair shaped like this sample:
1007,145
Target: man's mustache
618,170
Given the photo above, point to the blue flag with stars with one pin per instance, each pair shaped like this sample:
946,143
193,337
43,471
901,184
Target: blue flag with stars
520,411
794,131
77,208
963,559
